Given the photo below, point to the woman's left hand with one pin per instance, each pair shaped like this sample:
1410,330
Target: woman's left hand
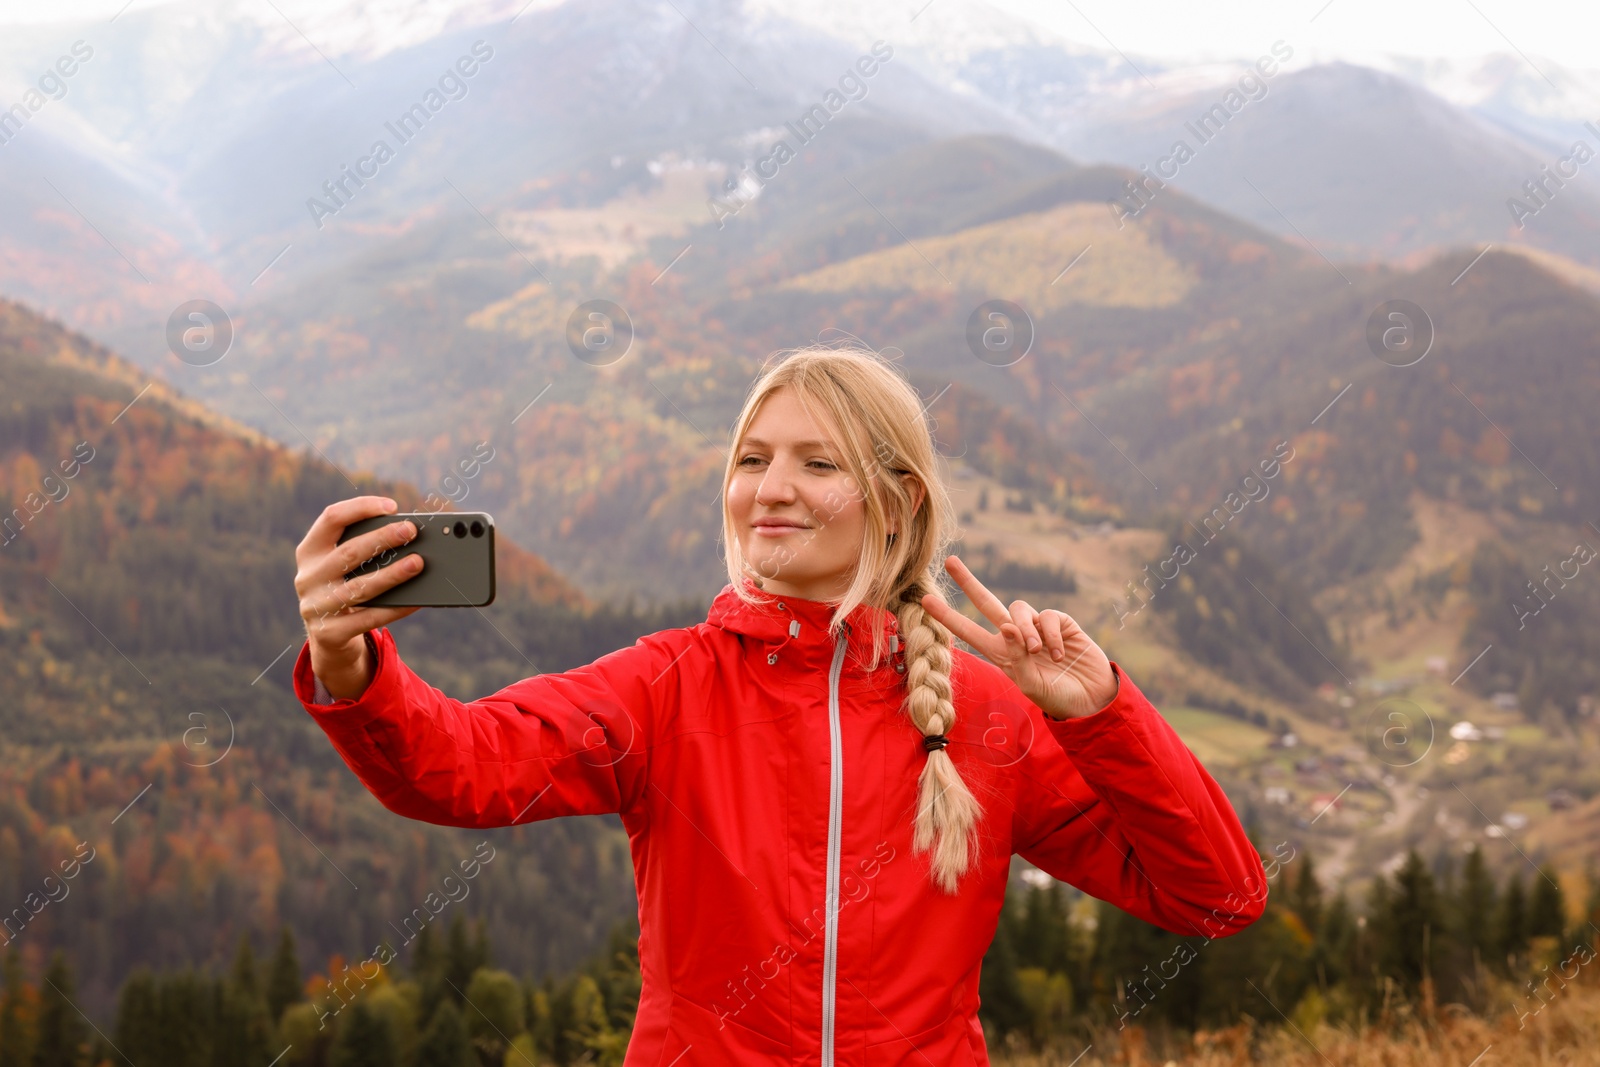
1046,653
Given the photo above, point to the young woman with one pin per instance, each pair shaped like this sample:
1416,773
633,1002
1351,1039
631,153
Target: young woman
822,795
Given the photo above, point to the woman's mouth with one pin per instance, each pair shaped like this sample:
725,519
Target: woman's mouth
777,527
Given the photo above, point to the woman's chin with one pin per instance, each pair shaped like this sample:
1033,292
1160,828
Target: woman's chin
768,570
775,568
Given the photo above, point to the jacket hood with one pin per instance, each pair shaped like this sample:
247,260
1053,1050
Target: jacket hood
796,630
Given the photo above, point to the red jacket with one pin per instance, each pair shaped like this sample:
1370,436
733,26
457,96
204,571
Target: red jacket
767,782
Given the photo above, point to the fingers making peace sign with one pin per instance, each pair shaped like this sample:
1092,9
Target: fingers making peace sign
1046,653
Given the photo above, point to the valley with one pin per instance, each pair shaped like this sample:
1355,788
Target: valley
1338,640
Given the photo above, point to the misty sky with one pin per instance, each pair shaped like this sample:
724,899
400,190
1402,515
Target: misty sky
1560,32
1565,31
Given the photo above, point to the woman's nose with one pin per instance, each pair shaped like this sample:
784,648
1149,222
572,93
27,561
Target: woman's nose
776,487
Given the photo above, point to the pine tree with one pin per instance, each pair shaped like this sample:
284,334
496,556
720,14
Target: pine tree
1511,931
243,972
617,972
1000,1002
1335,941
1045,937
139,1022
244,1031
445,1043
1547,911
542,1022
17,1015
589,1032
496,1011
1214,989
1589,927
186,1019
365,1039
1128,955
1365,974
428,968
480,943
62,1033
426,957
1413,928
1305,898
463,957
1475,907
285,985
561,1021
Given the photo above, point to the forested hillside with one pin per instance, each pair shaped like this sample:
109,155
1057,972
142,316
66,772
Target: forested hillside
1190,380
1274,366
1436,947
147,627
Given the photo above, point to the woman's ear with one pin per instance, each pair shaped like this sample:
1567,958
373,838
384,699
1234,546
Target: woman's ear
918,494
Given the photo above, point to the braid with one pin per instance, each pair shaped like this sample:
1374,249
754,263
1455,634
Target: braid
947,813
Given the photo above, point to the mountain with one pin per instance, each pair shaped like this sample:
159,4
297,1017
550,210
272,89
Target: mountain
1537,100
1358,162
210,175
1172,310
1390,157
147,629
600,460
92,235
1177,348
1492,418
1378,600
203,179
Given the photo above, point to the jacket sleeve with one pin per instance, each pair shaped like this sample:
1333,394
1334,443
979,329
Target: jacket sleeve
574,743
1115,804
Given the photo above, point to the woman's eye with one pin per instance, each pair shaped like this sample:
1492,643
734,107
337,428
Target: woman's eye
821,464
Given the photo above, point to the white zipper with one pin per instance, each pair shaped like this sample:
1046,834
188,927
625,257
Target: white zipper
830,945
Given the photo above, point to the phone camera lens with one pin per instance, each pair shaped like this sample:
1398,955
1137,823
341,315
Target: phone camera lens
477,529
461,529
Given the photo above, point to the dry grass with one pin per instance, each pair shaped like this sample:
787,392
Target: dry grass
1024,257
1565,1031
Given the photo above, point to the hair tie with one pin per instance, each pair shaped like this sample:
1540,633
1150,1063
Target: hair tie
934,742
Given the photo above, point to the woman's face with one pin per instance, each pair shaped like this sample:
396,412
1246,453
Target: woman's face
797,511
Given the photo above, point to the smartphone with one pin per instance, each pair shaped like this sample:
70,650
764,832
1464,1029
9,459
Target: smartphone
457,550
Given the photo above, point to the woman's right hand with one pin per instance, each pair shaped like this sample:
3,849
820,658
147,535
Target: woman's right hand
335,623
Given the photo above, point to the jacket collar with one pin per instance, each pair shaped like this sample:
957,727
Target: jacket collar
771,622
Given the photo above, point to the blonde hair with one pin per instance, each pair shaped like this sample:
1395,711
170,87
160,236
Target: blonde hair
883,436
